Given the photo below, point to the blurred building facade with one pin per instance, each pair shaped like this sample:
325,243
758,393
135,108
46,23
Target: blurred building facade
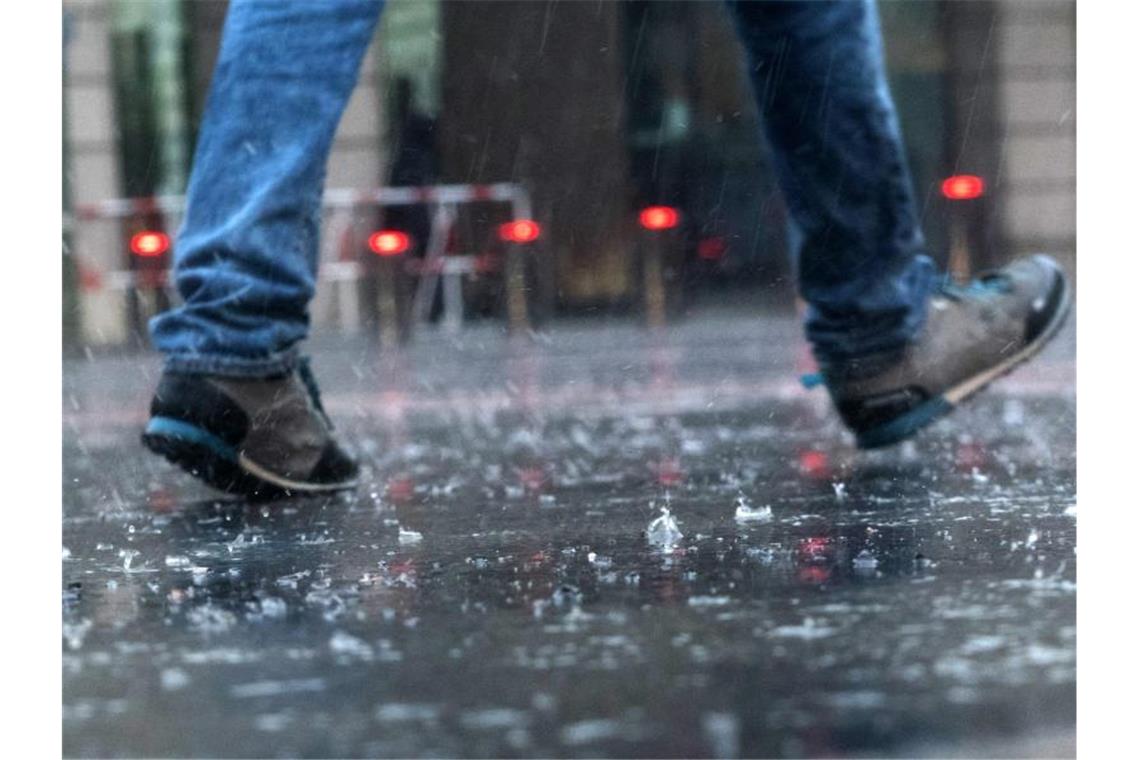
598,109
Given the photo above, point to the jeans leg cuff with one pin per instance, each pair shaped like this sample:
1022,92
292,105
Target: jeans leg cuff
233,366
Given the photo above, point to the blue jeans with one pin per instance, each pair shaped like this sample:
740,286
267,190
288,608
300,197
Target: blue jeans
246,258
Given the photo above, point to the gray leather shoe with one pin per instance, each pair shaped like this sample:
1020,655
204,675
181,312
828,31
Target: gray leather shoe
973,335
258,437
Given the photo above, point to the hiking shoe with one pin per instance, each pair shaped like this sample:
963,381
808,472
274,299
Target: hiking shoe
257,437
973,335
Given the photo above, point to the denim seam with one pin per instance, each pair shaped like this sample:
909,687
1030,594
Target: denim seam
230,366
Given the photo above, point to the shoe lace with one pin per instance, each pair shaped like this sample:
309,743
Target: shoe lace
305,372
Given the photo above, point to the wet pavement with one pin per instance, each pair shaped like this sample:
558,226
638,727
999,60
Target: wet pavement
492,588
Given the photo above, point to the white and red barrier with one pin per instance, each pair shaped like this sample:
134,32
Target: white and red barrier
339,257
335,198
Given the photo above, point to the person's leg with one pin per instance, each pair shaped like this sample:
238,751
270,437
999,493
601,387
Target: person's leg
820,85
245,260
236,405
897,344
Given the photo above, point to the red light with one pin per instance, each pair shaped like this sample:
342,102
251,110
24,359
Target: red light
520,231
814,464
389,242
149,243
658,217
712,249
963,187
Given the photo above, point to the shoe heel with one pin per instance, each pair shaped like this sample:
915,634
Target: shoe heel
199,453
184,432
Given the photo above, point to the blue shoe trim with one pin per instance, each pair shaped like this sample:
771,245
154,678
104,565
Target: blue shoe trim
905,425
811,380
184,431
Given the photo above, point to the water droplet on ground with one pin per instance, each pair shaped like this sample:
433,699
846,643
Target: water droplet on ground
173,679
410,536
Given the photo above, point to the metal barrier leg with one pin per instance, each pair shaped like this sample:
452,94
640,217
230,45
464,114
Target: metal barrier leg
388,307
452,302
959,264
518,320
441,224
654,283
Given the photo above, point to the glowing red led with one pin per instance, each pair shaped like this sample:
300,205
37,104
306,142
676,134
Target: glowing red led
149,243
963,187
520,231
389,242
658,217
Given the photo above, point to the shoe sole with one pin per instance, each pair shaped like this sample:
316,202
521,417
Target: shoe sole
212,460
905,426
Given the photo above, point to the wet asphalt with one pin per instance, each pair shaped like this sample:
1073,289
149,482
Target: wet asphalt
490,588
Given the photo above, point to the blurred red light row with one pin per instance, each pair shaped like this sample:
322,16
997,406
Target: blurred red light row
151,243
395,242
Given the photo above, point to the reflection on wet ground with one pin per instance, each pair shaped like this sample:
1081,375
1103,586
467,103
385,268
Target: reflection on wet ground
494,588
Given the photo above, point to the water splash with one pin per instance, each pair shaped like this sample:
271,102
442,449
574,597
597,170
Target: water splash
745,512
128,556
663,531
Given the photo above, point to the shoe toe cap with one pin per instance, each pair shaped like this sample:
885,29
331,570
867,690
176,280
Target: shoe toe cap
1050,301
